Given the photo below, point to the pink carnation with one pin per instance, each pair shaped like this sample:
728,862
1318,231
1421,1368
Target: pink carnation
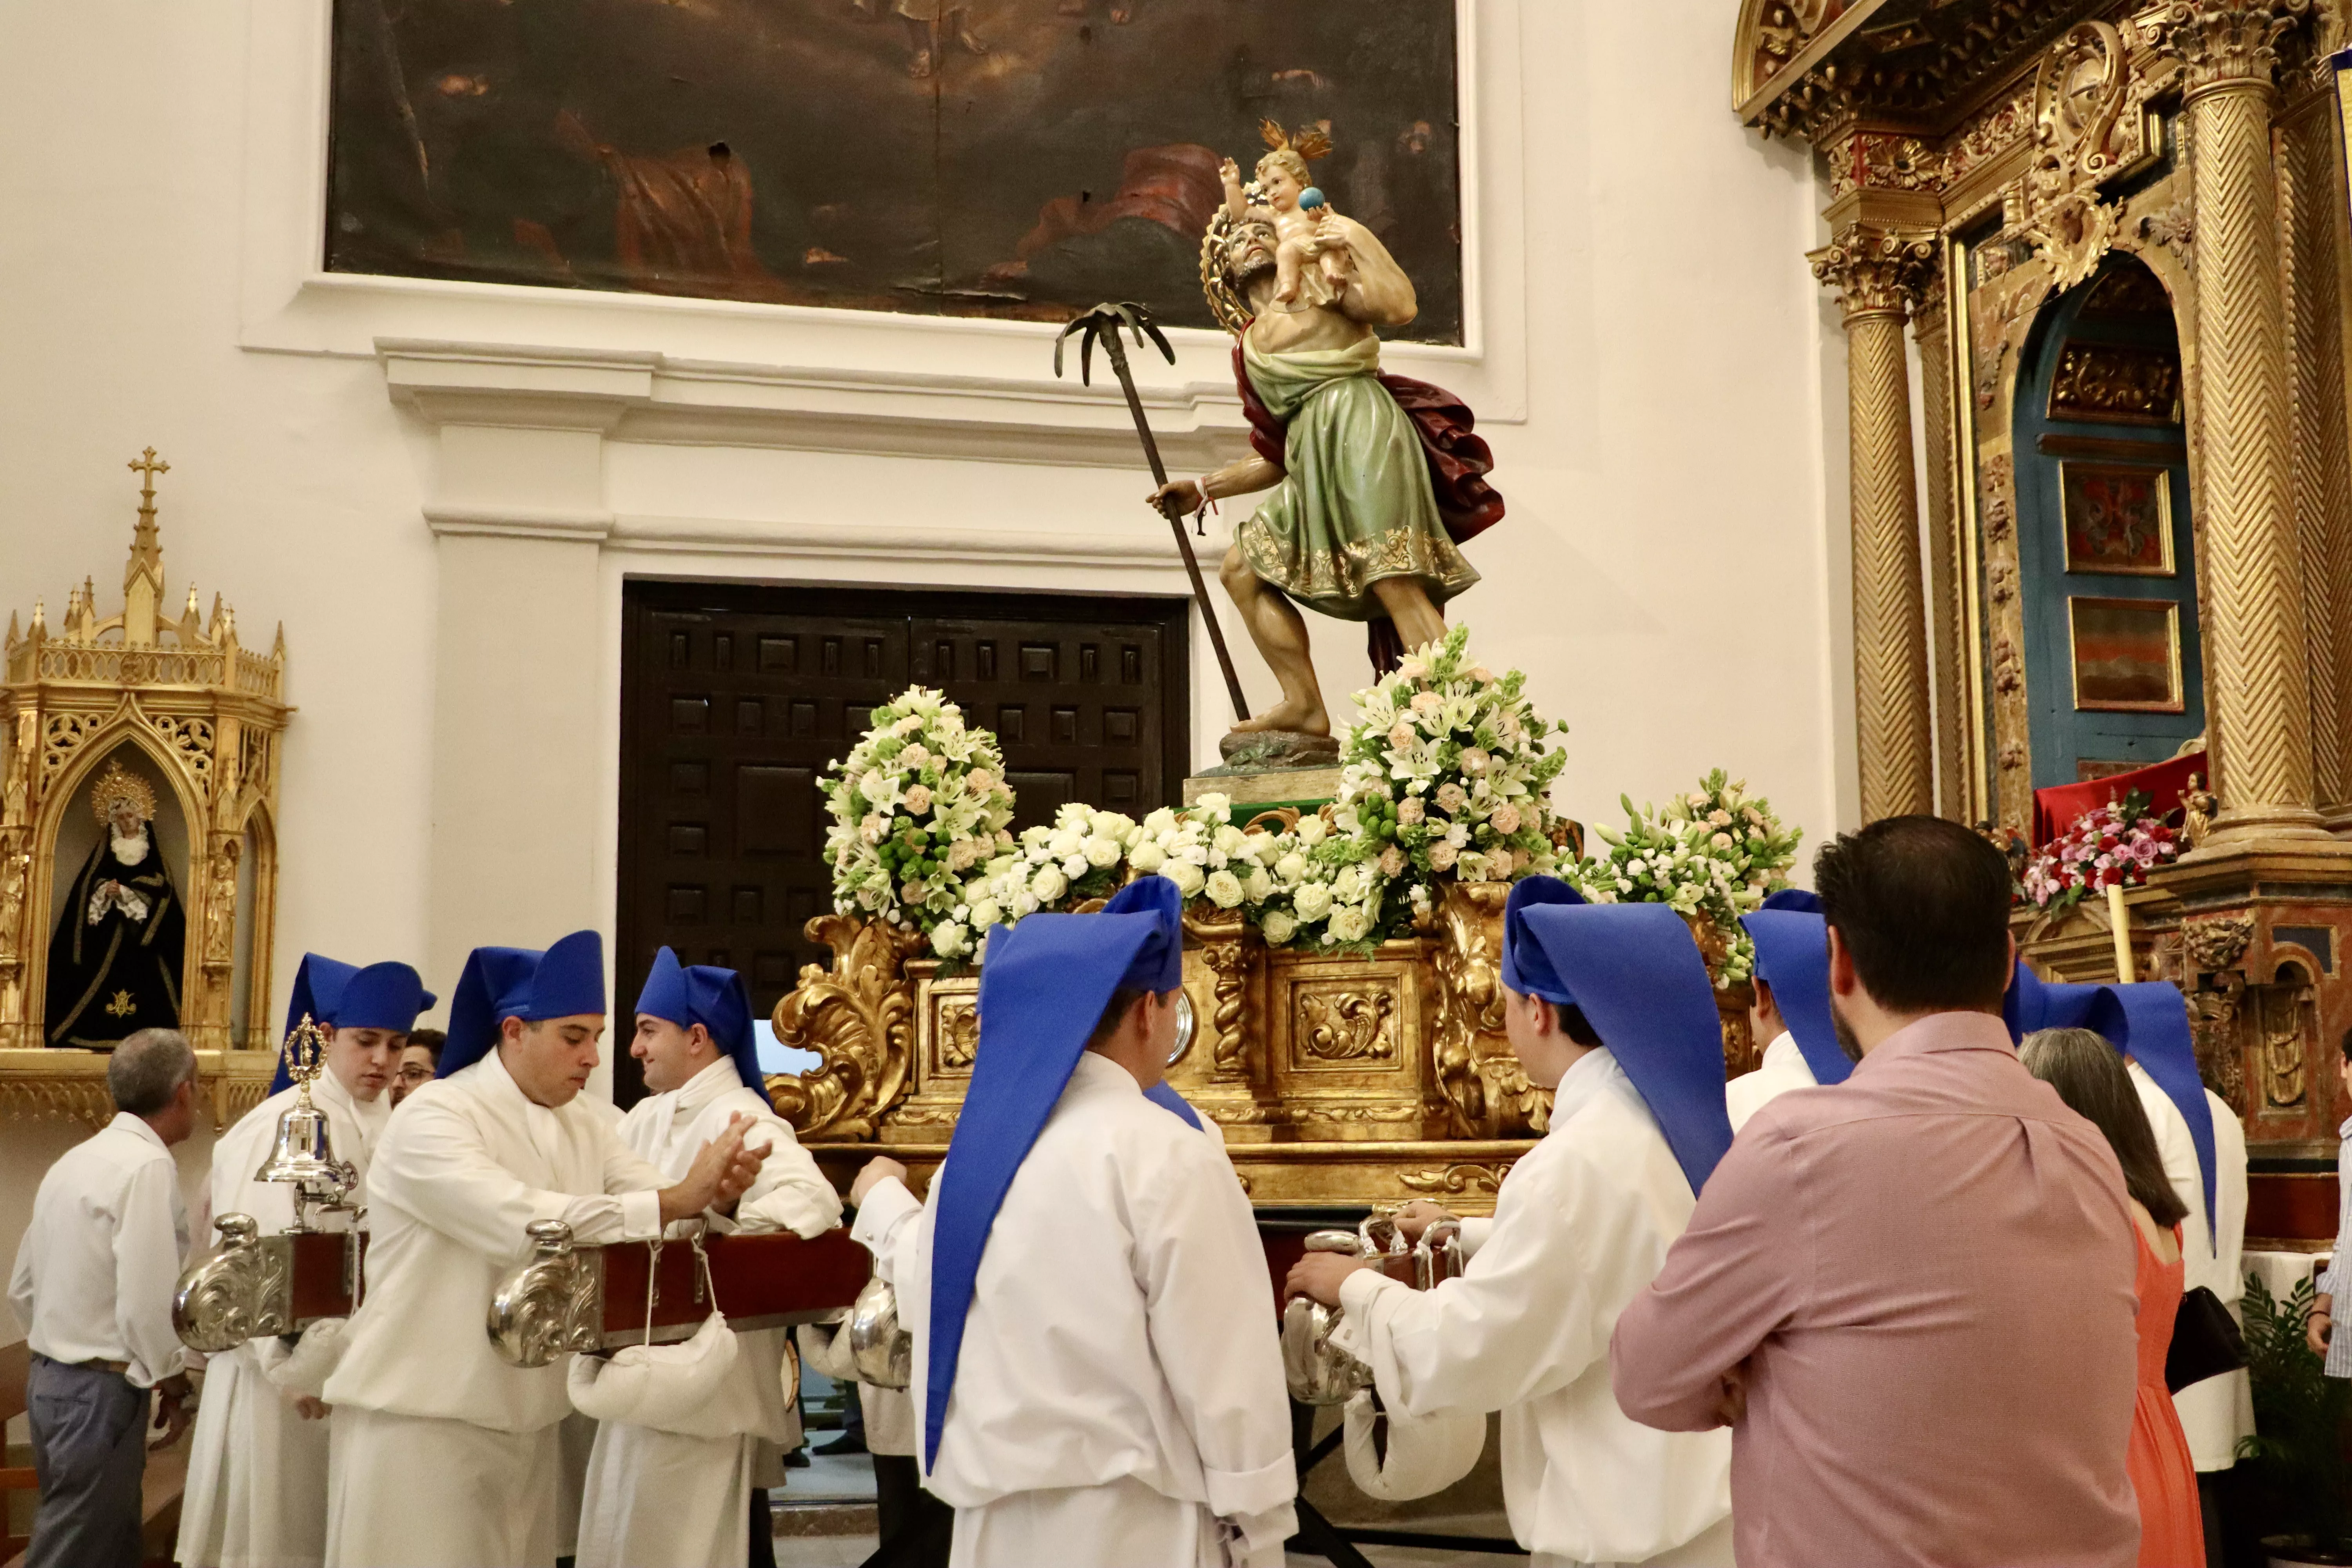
918,799
1441,856
1506,818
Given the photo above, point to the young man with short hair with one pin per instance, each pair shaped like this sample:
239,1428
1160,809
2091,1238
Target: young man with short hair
93,1284
424,1409
419,1058
1792,1014
1909,1295
257,1489
655,1497
1095,1361
1610,1008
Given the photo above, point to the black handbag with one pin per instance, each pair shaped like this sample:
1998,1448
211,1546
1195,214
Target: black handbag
2206,1341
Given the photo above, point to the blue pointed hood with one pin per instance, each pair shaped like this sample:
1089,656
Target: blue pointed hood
1527,968
688,995
386,996
2032,1003
2149,1021
501,983
1045,985
1793,956
1635,973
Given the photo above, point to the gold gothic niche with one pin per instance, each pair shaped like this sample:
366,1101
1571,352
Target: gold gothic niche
138,802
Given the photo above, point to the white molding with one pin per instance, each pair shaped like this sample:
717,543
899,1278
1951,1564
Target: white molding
889,547
990,376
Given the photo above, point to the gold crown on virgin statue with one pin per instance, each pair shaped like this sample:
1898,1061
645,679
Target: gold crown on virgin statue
118,785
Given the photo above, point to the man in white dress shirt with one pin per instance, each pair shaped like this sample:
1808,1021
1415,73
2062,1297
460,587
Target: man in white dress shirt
93,1286
443,1455
256,1488
1792,1015
672,1499
1097,1365
1609,1005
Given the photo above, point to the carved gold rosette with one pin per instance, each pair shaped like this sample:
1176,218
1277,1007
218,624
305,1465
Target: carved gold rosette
1337,1079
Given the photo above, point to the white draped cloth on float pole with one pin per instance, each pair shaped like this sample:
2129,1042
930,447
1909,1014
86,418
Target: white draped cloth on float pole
671,1499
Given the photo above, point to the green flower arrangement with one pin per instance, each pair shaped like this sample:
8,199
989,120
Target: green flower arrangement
1713,853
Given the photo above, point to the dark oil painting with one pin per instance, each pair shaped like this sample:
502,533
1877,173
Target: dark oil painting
1020,159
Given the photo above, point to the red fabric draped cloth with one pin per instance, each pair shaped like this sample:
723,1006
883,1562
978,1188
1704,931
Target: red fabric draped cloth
1458,462
2056,808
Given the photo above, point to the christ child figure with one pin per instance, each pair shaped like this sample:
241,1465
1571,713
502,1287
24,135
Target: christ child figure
1299,214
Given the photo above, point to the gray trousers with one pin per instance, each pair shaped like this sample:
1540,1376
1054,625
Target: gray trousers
89,1451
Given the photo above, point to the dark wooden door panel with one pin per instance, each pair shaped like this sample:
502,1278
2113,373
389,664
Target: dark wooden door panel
735,697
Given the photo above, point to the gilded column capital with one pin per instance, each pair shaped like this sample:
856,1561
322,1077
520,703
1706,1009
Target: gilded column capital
1877,272
2223,44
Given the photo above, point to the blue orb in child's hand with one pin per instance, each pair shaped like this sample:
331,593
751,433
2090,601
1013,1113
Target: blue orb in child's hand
1310,198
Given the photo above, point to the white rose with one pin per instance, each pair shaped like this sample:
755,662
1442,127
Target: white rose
1065,842
1259,885
1278,927
1187,877
1291,867
1349,923
950,940
986,912
1348,884
1048,885
1147,858
1213,804
1224,889
1312,901
1312,830
1101,852
1228,840
1076,866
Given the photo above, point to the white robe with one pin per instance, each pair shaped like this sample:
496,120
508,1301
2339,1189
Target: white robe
2219,1411
257,1488
664,1499
468,1164
1118,1397
1581,1227
1784,1067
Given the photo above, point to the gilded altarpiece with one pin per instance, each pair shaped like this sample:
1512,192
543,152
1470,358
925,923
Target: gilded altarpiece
195,708
1983,159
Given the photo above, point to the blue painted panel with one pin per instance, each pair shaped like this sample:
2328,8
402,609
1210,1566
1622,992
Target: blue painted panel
2065,736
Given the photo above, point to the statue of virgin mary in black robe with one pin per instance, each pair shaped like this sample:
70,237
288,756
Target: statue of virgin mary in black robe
114,962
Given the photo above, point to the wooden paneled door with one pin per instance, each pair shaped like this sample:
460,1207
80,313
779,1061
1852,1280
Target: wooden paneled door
735,697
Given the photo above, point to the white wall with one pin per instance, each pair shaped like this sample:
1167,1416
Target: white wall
1651,376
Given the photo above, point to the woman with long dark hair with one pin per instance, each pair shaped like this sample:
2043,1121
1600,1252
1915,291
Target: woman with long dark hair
2090,1076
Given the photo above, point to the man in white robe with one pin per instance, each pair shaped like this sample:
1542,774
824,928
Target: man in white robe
257,1487
1792,1014
1612,1006
1097,1363
670,1499
443,1456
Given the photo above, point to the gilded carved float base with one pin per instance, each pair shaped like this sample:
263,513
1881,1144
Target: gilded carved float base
1340,1079
70,1085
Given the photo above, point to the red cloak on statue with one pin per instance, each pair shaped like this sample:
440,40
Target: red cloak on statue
1458,465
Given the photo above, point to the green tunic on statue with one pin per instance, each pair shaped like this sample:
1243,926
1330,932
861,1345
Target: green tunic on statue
1355,503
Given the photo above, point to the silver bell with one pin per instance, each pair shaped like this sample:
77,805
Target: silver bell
305,1157
884,1353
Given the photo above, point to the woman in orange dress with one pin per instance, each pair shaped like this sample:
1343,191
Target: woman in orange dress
2089,1075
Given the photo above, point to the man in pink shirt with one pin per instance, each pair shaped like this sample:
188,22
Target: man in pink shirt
1909,1295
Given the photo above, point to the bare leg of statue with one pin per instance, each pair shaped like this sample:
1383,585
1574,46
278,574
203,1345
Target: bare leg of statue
1279,631
1406,600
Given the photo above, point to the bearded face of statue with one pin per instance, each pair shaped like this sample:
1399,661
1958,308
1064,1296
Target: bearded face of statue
1249,252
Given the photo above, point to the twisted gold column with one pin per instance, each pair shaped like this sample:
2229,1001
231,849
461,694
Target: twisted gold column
2258,699
1947,612
1878,274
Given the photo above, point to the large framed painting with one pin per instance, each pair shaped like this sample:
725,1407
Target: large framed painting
1020,159
2126,655
2118,518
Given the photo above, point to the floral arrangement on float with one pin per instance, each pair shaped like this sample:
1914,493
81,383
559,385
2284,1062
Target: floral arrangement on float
2112,845
916,804
1446,779
1712,854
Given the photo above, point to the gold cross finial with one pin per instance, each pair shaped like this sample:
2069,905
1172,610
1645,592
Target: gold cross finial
147,464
